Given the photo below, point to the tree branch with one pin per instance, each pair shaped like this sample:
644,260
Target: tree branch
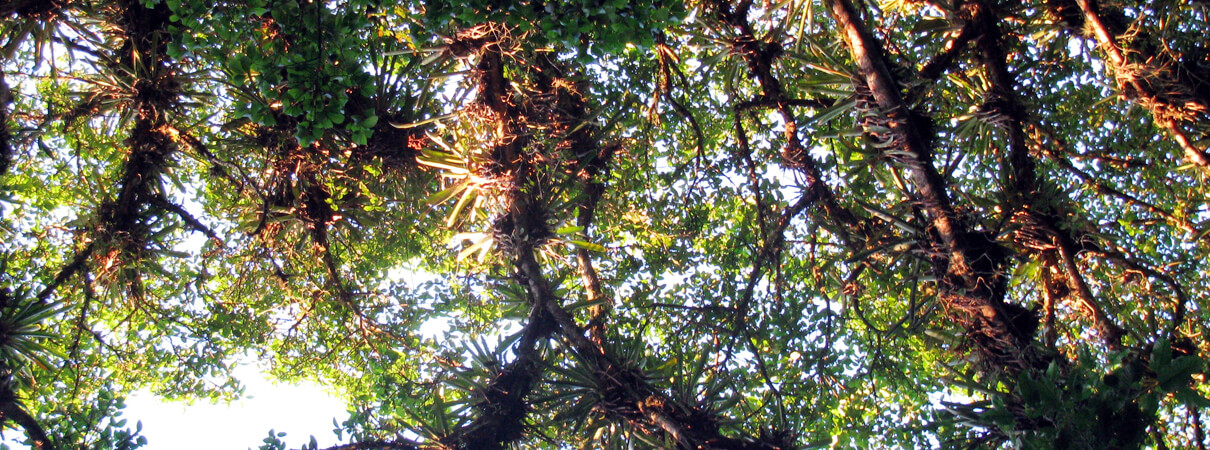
75,266
1135,84
666,58
11,410
795,156
1182,299
197,225
1101,187
6,149
972,289
400,444
765,102
943,61
1110,332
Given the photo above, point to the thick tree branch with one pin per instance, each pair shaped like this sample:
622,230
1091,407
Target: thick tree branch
1181,306
32,9
602,303
1022,177
378,445
1003,99
641,403
760,57
524,222
764,102
1150,86
11,410
504,409
1110,332
6,149
594,189
120,222
75,266
943,61
972,288
917,155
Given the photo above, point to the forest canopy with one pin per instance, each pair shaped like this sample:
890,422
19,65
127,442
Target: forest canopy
613,223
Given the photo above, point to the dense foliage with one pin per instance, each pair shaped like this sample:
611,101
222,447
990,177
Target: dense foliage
666,224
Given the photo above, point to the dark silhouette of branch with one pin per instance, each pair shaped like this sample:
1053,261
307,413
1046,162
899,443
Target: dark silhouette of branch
760,57
11,410
1110,332
637,401
75,266
1058,148
378,445
943,61
34,9
6,149
667,68
197,225
504,407
1004,101
764,102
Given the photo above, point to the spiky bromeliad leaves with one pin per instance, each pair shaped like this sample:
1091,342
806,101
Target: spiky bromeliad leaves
22,353
718,224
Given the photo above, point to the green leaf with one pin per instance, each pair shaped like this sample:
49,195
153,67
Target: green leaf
588,246
449,193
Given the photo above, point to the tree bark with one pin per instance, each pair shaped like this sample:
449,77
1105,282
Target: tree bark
972,286
11,410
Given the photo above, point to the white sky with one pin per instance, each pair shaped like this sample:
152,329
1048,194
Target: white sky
300,410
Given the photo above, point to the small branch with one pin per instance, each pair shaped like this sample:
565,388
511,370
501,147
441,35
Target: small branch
794,156
1199,434
767,255
6,149
666,68
1182,299
1101,187
227,167
1192,153
703,309
1049,299
763,369
197,225
654,407
744,153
